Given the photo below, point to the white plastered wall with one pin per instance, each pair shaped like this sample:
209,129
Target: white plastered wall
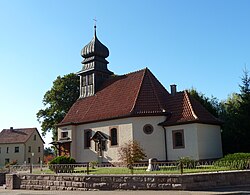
71,129
153,144
128,129
190,141
124,127
202,141
209,141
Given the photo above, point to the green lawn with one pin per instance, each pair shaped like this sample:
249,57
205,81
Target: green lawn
122,170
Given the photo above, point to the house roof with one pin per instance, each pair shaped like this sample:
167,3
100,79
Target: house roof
137,94
9,136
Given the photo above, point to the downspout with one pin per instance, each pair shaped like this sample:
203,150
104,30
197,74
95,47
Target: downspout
165,141
162,124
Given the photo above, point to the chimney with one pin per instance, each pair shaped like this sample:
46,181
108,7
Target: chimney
173,89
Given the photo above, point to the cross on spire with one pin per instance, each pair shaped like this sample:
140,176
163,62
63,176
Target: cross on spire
95,20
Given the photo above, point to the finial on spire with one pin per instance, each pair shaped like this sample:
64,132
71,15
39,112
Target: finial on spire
95,25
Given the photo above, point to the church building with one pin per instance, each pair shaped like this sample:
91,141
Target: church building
113,110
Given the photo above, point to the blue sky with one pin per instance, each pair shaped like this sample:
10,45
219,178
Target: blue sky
196,43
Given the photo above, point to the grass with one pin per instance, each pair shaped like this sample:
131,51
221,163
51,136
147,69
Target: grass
123,170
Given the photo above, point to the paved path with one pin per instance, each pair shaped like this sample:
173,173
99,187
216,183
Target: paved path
235,191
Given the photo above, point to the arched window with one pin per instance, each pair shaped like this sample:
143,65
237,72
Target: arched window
178,139
113,137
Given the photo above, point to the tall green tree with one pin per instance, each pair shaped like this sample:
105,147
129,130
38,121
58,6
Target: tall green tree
236,115
57,102
231,137
244,112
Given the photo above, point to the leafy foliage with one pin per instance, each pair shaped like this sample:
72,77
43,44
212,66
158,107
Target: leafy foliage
14,162
48,158
187,162
57,102
236,156
236,114
48,151
131,152
211,104
235,161
63,160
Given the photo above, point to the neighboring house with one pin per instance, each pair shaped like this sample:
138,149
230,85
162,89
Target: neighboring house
22,145
112,110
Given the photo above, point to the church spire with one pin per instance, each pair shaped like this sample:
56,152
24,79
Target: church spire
94,71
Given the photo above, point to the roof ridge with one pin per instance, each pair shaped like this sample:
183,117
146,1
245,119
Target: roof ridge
153,87
144,69
189,103
138,92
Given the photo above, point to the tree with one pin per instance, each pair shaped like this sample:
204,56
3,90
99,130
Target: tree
244,112
131,152
57,102
48,151
236,115
211,104
231,137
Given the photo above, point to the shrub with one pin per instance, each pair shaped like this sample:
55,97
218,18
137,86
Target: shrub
130,153
235,161
236,156
63,160
186,162
92,164
62,164
14,162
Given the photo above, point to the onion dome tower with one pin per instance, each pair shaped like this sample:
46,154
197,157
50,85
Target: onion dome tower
94,71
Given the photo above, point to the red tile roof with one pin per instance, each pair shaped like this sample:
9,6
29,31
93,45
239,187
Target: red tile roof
185,109
137,94
8,136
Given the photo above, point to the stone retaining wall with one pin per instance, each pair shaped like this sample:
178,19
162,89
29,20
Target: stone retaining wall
127,182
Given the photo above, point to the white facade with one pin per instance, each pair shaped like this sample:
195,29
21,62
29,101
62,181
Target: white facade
201,141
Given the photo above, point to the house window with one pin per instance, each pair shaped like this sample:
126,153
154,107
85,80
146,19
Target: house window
113,137
39,149
17,149
87,138
0,150
29,160
148,129
34,137
29,149
64,134
178,139
7,150
39,160
7,160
